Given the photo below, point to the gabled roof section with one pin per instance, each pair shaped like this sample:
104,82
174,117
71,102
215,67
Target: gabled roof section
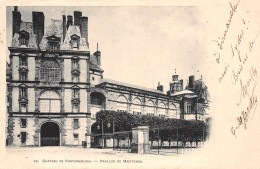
25,28
53,30
74,31
53,38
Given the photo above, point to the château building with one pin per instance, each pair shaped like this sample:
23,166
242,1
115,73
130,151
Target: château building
55,85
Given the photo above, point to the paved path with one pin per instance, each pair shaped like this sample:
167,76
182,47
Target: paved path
69,157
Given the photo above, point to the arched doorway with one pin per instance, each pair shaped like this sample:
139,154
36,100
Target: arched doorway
50,134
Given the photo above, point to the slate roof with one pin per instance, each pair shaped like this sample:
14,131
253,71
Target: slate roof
94,64
104,80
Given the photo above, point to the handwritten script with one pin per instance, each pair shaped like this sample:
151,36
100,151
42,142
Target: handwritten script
238,67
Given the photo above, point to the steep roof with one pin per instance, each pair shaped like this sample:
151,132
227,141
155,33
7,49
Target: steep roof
74,30
94,64
55,28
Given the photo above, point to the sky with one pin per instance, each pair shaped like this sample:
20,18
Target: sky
139,45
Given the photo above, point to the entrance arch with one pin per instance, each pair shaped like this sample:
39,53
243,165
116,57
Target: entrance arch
50,134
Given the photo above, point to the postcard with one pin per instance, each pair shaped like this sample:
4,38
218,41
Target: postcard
137,84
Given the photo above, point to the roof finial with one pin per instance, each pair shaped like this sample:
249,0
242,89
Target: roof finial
201,77
175,70
97,46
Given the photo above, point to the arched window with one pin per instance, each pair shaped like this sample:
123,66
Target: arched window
189,108
162,110
137,106
49,102
50,71
173,113
121,103
149,109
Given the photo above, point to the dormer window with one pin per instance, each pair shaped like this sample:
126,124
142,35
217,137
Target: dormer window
74,42
53,43
53,46
23,38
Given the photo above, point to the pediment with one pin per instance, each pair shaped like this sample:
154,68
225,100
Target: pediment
53,38
74,36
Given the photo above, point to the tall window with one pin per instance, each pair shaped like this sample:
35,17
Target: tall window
173,111
23,75
122,103
23,107
75,123
149,109
75,64
23,92
23,122
75,93
76,137
23,61
50,71
75,78
189,110
49,102
162,110
75,108
137,109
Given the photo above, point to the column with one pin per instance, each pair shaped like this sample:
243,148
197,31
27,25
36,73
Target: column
37,92
62,100
62,69
140,140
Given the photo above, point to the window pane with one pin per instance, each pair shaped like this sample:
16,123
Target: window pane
74,44
50,71
76,137
23,108
76,123
23,122
45,106
55,106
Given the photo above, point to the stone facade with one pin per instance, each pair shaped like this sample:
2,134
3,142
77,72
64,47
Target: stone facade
56,86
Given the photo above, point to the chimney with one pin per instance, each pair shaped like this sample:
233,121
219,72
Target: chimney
84,28
160,87
16,20
98,56
77,16
38,25
191,81
63,27
181,82
70,21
